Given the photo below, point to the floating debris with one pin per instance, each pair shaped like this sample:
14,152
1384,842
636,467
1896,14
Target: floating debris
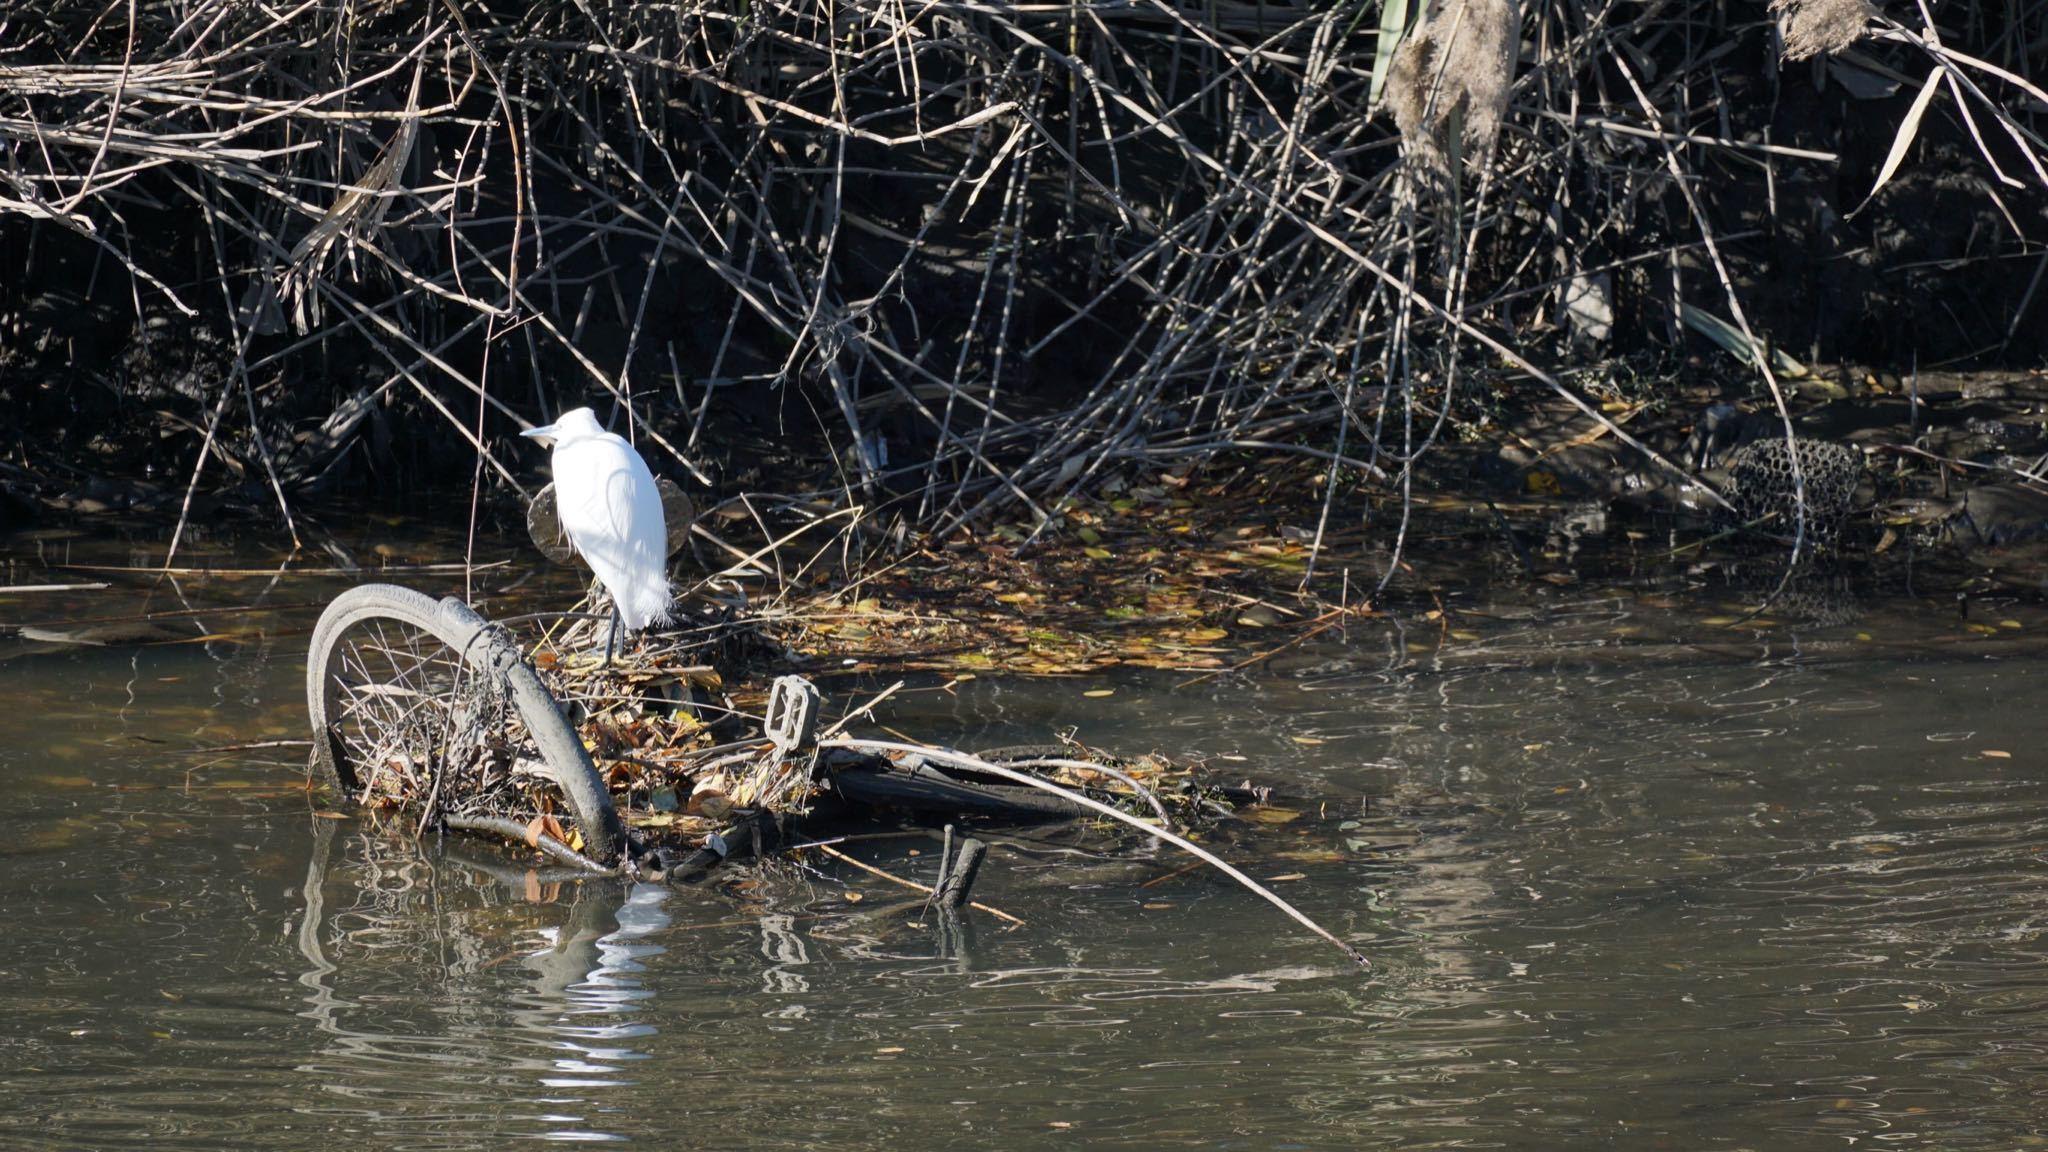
426,710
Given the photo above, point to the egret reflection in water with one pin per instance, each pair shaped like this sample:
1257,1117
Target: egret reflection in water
404,1055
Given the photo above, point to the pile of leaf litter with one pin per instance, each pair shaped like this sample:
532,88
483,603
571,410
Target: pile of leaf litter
691,764
657,726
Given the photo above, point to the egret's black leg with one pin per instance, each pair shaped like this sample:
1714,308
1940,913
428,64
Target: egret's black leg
611,639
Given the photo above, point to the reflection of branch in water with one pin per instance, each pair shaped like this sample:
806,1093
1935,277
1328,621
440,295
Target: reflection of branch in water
786,953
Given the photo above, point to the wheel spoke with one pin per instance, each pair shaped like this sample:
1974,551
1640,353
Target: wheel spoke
404,717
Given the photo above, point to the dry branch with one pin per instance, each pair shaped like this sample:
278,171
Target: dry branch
993,251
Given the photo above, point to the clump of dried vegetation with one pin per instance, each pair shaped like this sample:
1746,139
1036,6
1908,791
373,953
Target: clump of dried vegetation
1448,87
1815,27
958,258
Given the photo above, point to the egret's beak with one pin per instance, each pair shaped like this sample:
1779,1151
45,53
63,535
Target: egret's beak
545,432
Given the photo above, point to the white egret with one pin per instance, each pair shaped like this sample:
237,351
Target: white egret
611,511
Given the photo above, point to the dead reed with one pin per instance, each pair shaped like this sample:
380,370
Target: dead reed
1819,27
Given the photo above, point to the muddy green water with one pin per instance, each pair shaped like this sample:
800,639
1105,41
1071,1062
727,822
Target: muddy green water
1785,889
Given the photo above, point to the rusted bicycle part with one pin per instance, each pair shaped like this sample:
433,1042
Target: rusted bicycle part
420,698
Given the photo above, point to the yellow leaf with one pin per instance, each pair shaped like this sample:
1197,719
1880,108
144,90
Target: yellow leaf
1097,553
1098,692
1264,814
1308,740
1286,877
1997,754
1014,598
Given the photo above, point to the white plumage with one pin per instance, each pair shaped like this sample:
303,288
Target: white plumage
611,511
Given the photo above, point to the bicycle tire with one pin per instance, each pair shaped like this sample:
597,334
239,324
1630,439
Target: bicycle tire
484,651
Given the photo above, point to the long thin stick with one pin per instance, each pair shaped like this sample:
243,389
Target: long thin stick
975,763
871,870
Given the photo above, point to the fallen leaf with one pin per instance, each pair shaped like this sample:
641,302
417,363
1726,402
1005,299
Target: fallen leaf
534,830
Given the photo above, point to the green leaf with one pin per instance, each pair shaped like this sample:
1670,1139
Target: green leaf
1394,25
1729,337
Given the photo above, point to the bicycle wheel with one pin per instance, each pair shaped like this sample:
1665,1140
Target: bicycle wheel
417,701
